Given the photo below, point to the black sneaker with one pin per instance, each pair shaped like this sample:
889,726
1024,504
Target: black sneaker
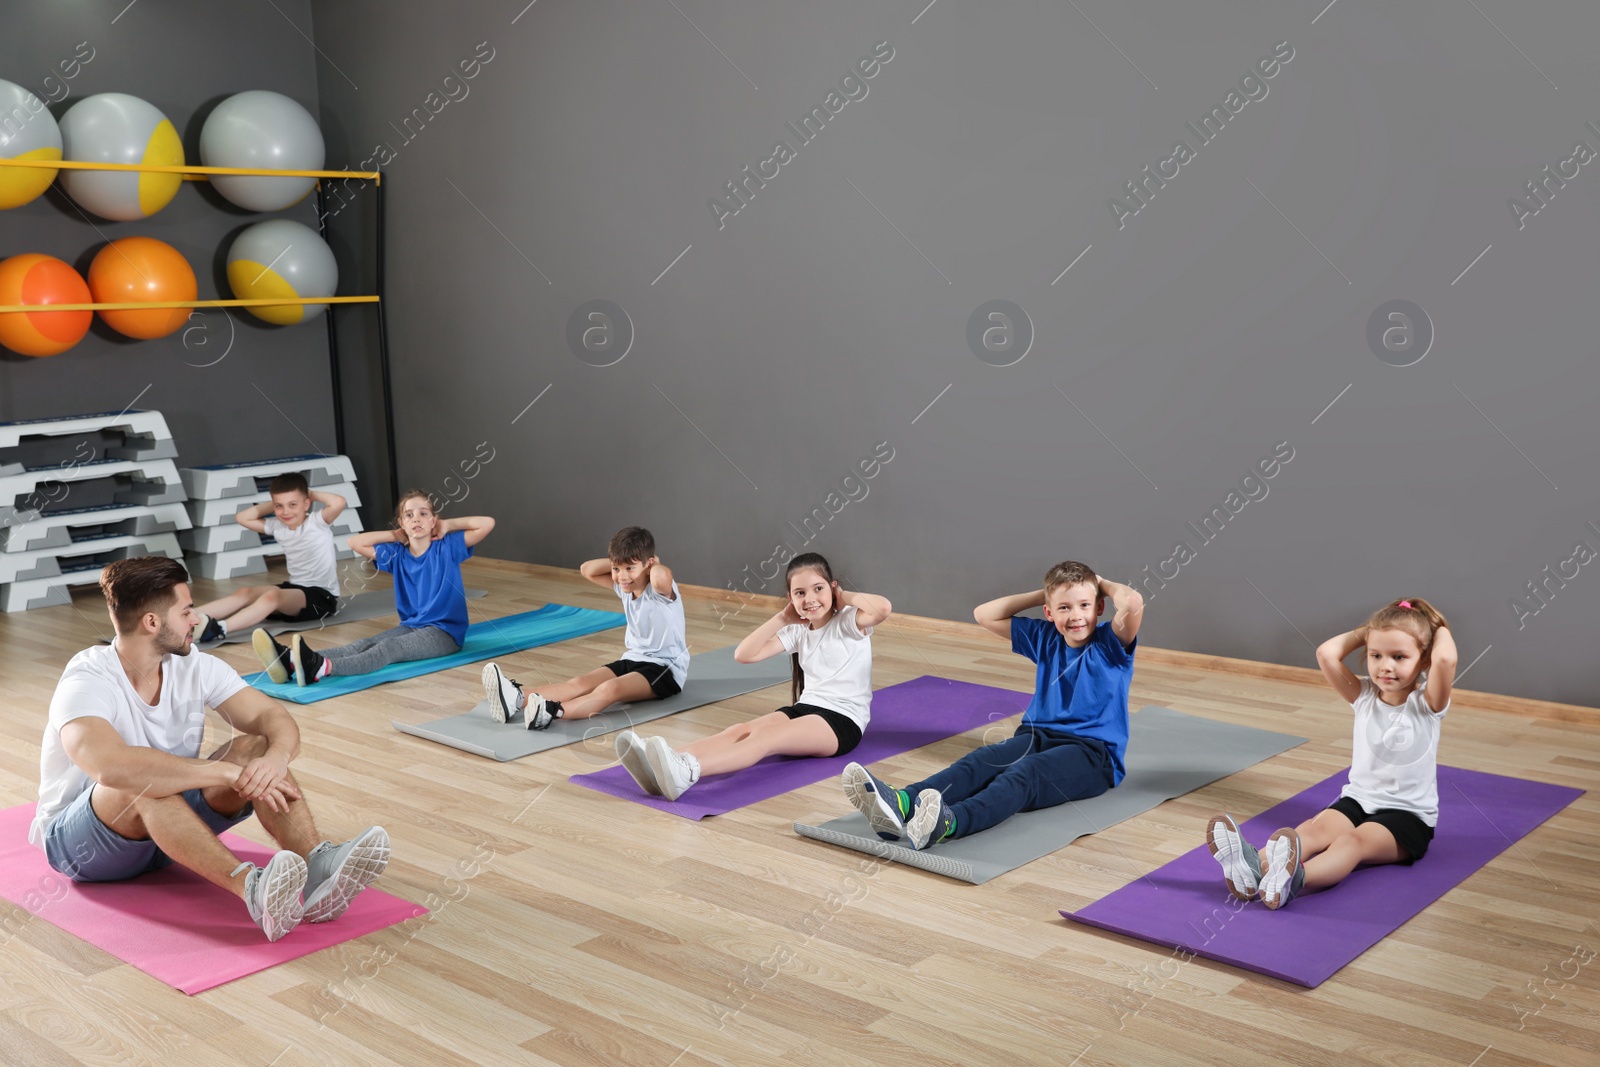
274,657
208,631
307,661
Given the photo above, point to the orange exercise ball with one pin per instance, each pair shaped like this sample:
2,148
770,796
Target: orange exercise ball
35,279
142,269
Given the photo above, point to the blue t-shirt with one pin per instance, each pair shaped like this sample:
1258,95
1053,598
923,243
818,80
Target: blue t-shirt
1081,691
427,588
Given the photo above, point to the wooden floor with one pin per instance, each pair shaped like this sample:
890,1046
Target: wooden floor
569,927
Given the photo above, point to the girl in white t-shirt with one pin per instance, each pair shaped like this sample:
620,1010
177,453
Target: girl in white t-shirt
1387,811
829,633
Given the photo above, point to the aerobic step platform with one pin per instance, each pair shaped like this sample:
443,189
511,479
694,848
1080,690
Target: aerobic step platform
220,511
52,562
249,478
144,433
148,482
56,590
229,536
55,529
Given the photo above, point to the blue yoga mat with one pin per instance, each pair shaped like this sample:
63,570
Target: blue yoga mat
485,640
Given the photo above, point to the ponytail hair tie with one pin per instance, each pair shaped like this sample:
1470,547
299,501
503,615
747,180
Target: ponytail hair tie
1406,604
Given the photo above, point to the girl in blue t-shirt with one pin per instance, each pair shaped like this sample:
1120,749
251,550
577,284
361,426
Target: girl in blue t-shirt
424,553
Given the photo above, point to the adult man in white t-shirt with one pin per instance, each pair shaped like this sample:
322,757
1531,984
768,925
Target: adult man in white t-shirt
123,789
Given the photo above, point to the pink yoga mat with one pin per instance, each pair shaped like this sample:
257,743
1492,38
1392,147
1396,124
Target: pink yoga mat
172,924
904,717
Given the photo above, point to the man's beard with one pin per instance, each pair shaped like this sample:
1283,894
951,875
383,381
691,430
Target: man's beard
174,641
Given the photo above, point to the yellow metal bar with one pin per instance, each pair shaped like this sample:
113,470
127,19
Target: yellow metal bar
158,304
189,173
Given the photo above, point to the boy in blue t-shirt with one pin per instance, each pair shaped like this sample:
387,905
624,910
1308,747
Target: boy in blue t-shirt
654,665
1071,741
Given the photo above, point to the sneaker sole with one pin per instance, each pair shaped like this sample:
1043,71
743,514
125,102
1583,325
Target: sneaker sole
262,642
491,692
885,822
923,821
634,763
1280,859
659,770
283,878
294,657
1227,845
362,867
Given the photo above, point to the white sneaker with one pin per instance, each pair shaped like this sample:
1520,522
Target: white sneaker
536,712
630,753
503,694
674,771
272,893
1241,863
336,873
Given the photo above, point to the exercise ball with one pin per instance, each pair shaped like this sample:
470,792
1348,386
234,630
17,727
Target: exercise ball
283,259
142,269
118,128
34,279
27,131
261,130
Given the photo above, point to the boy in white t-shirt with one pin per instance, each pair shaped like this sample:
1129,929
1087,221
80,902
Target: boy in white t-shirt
312,591
655,664
123,789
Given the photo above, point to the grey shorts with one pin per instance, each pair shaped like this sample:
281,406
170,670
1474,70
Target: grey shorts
83,848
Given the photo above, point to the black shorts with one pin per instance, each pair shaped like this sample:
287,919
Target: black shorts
843,726
319,603
659,675
1410,832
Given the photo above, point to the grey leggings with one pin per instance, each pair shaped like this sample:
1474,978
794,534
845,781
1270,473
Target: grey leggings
392,646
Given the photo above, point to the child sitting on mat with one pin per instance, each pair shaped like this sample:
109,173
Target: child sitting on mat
1069,745
829,634
424,554
656,661
1387,811
312,591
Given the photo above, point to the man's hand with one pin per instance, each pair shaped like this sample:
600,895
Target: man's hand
266,779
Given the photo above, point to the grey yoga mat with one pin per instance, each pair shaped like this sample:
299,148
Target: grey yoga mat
713,676
1168,754
373,604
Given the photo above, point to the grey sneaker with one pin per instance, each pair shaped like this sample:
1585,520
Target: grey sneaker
503,694
879,801
630,752
272,893
336,873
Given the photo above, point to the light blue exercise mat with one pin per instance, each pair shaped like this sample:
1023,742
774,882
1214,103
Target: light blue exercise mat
485,640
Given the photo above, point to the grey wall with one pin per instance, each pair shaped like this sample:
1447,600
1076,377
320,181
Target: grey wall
184,56
1174,357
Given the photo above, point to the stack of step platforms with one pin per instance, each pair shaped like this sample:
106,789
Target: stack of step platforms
126,490
218,547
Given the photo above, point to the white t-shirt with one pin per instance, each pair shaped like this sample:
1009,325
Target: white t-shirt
656,632
95,684
1395,753
308,550
837,661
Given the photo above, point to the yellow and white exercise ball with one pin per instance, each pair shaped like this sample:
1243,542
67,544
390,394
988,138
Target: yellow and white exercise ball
261,130
118,128
280,258
27,131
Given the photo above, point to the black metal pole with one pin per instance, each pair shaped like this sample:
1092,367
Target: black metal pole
383,363
333,336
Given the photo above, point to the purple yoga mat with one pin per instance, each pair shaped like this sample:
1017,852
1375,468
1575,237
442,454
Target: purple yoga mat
904,717
1184,905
